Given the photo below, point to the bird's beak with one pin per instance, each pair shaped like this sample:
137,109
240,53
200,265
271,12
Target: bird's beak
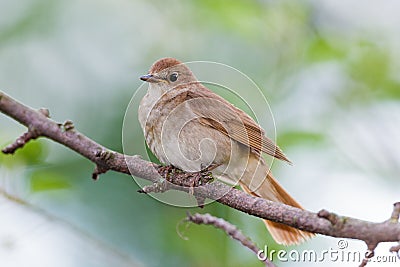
150,78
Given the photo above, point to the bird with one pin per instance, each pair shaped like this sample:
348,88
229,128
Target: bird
188,126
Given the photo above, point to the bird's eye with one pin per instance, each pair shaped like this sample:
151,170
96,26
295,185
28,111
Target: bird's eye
173,77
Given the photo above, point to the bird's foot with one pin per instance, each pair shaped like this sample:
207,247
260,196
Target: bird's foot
200,178
160,186
167,171
175,176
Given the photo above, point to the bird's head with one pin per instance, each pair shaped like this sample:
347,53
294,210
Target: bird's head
168,73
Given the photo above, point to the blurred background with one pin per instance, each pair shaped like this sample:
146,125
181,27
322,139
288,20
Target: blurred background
330,72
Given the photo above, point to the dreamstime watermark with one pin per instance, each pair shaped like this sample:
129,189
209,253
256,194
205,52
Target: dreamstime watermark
339,254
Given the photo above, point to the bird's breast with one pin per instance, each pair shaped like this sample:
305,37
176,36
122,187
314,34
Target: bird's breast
175,135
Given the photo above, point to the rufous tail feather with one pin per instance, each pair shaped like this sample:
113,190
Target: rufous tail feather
281,233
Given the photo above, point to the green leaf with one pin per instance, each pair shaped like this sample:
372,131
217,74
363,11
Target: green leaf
321,50
370,66
293,138
370,69
44,180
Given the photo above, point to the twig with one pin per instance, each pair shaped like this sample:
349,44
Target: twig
396,213
396,249
20,142
369,254
31,134
229,229
394,218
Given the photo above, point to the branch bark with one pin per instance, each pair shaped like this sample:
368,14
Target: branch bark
323,222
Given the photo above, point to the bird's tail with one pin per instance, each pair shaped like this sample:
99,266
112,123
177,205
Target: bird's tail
270,189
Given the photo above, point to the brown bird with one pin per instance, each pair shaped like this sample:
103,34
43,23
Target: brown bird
188,126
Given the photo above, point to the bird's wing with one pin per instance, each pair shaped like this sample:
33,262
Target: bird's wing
219,114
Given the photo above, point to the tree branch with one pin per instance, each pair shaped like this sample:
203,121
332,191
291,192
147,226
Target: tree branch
323,222
230,230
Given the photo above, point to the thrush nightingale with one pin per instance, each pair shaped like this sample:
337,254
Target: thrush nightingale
188,126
